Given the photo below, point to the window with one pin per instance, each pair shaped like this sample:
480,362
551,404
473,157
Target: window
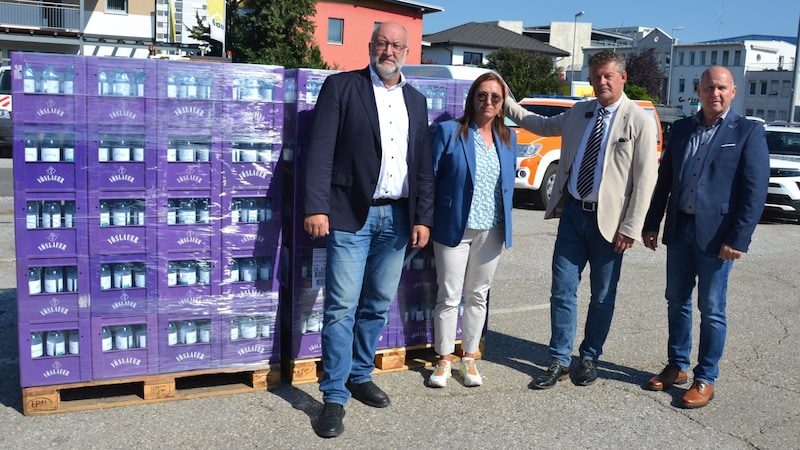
773,87
748,112
695,83
725,55
473,59
691,58
680,59
763,89
681,85
713,57
703,58
752,88
737,58
117,6
785,88
335,31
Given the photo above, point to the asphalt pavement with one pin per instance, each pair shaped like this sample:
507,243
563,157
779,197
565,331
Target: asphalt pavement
757,403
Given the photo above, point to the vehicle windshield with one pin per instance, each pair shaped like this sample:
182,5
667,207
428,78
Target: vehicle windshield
783,143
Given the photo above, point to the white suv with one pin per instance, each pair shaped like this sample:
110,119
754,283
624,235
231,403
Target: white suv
783,197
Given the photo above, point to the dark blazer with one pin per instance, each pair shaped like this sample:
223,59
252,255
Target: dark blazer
343,154
732,187
454,171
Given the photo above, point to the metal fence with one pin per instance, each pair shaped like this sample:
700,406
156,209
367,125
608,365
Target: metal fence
39,15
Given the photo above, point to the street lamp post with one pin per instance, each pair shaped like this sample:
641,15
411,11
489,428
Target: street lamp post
671,57
574,37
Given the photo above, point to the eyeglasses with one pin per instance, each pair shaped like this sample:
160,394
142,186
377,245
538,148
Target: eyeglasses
396,46
484,96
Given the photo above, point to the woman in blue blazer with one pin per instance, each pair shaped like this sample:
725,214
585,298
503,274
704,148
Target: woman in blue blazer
474,162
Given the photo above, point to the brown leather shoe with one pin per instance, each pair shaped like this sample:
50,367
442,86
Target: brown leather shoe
698,395
669,376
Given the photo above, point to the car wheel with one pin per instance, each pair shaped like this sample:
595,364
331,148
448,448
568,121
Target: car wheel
541,196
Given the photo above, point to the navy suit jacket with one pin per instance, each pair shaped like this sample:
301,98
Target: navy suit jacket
731,190
454,170
343,154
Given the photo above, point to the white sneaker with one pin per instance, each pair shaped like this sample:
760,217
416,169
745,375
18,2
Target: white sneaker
470,373
440,374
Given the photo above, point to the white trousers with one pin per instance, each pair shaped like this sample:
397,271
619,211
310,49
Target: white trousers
465,270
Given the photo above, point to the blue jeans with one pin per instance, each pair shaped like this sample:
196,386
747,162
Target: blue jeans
685,264
579,241
362,274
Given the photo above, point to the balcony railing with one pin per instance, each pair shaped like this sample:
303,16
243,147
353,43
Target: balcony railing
39,15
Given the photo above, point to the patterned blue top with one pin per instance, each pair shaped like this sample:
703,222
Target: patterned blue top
486,210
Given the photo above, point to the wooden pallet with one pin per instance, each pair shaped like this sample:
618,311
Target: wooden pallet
103,394
309,370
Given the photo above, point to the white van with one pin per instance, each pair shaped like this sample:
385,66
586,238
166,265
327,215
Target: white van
444,71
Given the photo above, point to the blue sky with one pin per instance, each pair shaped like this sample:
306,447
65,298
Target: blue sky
701,20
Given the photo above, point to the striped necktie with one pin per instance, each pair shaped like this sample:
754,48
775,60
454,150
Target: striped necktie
586,172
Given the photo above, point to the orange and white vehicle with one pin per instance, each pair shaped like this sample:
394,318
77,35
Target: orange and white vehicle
5,109
538,156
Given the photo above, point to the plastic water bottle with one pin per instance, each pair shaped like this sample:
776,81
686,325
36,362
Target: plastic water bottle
185,151
105,277
172,86
249,210
265,269
172,212
120,213
202,151
103,152
203,211
267,89
172,274
172,151
265,325
50,81
137,212
187,332
31,149
204,331
236,89
105,214
74,342
248,152
264,210
28,79
172,334
71,279
248,270
439,97
55,345
68,87
139,273
204,87
51,214
123,279
248,327
250,89
137,150
187,212
123,338
236,210
53,279
234,271
265,153
51,149
103,84
187,273
122,83
68,149
141,336
121,150
37,346
107,341
140,79
34,280
32,214
203,272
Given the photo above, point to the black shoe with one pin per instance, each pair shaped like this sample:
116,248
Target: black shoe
555,373
369,394
587,372
330,423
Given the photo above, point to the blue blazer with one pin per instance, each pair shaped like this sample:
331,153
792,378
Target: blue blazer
343,154
454,170
731,190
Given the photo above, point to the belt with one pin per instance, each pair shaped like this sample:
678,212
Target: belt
586,206
386,201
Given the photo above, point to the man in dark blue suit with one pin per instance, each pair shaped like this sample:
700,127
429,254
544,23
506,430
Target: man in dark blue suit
369,192
712,183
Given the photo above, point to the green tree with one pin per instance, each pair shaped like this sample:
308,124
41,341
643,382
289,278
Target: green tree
635,92
643,70
277,32
526,73
202,33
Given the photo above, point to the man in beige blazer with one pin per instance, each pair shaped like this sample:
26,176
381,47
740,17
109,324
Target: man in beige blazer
602,192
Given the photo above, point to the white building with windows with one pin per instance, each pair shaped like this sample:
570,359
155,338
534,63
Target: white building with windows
762,68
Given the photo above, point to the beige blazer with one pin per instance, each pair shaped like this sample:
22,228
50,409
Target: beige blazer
630,166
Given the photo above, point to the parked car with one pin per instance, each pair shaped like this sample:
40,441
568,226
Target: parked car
667,116
537,156
5,111
783,196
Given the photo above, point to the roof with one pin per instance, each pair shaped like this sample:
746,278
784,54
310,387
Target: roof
424,8
484,35
754,37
